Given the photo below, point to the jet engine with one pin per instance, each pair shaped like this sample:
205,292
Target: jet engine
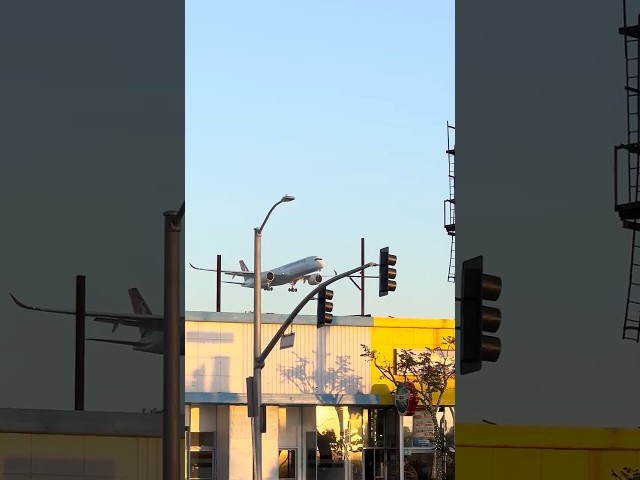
315,279
270,276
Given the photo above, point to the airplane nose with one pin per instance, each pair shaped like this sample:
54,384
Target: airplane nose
321,263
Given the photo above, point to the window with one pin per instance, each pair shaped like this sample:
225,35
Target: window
287,464
201,465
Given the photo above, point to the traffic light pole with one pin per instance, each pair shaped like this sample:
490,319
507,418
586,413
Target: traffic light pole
261,359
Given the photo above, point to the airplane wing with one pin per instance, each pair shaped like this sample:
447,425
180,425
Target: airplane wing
235,273
151,322
117,342
355,275
88,313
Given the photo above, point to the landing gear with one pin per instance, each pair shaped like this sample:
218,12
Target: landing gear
293,289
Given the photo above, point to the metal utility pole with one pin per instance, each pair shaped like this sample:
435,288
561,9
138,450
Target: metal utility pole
80,340
170,413
257,370
218,282
362,278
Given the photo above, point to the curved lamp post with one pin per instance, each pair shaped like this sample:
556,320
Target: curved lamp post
257,368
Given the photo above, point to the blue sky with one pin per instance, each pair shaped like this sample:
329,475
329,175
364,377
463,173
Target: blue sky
343,105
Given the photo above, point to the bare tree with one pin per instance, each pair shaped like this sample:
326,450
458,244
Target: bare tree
430,370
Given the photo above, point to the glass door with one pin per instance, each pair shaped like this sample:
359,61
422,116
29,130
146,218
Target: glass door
287,465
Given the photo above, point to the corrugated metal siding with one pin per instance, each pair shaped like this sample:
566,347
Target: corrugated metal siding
343,370
219,358
293,370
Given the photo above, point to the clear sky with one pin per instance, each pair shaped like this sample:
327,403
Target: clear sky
343,105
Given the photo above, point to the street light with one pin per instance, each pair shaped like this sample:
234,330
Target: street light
257,346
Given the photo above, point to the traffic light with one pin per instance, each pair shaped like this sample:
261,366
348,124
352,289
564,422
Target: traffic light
477,318
325,307
387,274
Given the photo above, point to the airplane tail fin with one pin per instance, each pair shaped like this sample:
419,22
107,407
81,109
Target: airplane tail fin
140,307
243,266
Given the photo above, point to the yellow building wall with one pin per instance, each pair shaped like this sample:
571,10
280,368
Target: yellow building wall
496,452
388,334
84,457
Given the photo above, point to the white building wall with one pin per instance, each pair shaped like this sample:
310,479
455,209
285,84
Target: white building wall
222,440
289,427
203,419
327,360
292,370
217,356
343,370
240,445
270,447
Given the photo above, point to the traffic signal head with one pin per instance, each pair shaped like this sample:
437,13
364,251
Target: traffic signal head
477,318
387,273
325,307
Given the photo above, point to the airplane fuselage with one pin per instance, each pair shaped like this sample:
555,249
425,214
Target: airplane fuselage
153,342
288,273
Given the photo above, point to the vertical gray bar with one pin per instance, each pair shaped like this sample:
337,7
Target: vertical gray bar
80,341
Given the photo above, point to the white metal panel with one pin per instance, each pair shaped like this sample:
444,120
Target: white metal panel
219,358
344,370
325,360
292,370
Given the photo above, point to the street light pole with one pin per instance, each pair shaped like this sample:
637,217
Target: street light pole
171,384
257,345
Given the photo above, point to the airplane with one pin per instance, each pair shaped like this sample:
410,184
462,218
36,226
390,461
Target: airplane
305,270
151,327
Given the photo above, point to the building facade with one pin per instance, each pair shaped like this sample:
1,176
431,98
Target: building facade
329,415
